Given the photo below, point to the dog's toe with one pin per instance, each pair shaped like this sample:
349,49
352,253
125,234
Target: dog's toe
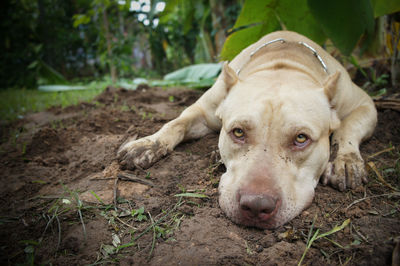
346,171
141,153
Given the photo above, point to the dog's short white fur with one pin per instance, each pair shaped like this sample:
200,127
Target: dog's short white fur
275,120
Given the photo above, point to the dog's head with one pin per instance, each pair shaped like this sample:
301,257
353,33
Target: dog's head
274,142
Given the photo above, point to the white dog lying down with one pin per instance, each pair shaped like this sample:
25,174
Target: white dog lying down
276,105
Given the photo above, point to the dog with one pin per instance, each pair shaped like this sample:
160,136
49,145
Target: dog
278,105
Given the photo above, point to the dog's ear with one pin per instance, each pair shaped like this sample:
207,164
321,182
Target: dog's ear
229,75
330,85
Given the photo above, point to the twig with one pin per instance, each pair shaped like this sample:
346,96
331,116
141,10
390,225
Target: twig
59,233
101,179
159,220
154,235
121,221
359,234
334,210
46,197
380,177
388,102
130,177
115,193
371,197
83,224
380,152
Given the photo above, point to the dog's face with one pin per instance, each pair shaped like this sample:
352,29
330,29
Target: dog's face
274,142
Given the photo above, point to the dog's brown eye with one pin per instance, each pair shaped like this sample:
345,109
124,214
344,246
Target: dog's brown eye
301,138
237,132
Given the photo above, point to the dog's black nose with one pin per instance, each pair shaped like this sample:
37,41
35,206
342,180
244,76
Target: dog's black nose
257,205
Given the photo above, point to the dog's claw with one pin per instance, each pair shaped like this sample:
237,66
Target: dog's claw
346,171
141,153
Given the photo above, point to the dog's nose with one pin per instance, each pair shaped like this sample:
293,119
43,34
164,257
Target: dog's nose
261,206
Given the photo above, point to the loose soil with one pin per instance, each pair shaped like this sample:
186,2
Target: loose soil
62,204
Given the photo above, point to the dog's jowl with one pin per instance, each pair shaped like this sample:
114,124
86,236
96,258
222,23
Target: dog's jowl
276,105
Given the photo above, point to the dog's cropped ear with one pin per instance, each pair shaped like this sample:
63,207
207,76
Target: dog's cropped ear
229,75
330,85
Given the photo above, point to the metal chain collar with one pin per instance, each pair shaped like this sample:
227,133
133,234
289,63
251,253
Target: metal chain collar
284,41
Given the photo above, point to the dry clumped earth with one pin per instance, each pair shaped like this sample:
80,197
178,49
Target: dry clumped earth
64,199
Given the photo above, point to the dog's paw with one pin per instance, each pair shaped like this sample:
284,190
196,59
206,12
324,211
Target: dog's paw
141,153
346,171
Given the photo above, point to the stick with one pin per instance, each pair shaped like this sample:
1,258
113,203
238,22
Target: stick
154,235
380,177
115,193
159,220
125,223
380,152
371,197
129,177
59,233
359,234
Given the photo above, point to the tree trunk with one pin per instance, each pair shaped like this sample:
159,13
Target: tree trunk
218,23
395,62
113,70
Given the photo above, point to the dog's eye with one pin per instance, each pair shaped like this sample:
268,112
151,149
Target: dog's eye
301,138
237,132
301,141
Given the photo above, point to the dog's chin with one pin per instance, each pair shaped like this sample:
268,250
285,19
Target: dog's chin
271,223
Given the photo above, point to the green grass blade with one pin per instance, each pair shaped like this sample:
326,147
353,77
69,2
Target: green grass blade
335,229
191,195
96,196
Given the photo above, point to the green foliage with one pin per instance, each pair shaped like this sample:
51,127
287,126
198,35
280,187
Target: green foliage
80,19
54,41
250,26
383,7
297,17
139,214
179,28
258,18
189,35
45,74
317,236
40,44
344,22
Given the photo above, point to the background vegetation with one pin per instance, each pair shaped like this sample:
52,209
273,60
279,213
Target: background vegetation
55,41
76,42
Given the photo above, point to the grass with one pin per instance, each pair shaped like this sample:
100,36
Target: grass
67,209
15,103
138,223
312,237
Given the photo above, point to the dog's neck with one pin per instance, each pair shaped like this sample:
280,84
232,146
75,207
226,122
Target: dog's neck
280,54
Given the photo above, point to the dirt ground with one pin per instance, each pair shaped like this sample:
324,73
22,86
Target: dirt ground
65,201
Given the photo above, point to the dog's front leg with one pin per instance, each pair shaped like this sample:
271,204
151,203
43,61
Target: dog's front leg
348,169
146,151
